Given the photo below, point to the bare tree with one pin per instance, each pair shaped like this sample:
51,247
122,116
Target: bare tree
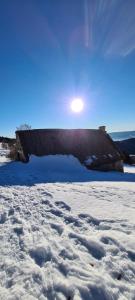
24,127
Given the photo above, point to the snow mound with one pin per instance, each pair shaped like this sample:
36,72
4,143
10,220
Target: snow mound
55,163
52,168
56,168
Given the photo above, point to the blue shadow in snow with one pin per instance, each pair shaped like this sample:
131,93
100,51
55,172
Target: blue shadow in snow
17,173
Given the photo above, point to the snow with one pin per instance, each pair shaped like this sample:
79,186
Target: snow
57,168
66,232
3,154
89,161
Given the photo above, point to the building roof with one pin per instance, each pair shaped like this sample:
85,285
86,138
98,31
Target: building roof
81,143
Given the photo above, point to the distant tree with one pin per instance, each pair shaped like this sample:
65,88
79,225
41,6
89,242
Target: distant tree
24,127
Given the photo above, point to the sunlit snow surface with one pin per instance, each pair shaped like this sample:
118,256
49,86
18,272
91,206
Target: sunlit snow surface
66,232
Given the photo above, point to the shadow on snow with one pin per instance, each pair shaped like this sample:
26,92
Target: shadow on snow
54,169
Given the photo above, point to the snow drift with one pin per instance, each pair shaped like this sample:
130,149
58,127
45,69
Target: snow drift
56,168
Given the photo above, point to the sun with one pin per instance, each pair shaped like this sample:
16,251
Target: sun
77,105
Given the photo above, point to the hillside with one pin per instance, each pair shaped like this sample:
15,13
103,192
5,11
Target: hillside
127,146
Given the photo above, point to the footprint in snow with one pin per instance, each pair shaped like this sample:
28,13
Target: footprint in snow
89,219
111,241
73,220
18,230
11,212
47,194
47,203
41,254
62,205
56,212
94,248
57,227
3,218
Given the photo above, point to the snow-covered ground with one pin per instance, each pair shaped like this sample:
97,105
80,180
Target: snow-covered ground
66,233
3,154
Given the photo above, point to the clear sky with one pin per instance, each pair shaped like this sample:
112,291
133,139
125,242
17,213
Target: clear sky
54,50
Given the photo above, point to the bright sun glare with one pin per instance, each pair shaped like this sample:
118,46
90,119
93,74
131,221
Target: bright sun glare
77,105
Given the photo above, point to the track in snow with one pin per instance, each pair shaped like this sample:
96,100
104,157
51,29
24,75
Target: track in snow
48,252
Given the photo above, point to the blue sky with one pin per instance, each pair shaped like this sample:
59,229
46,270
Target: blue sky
54,50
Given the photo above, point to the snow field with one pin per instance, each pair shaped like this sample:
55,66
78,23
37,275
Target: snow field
66,240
